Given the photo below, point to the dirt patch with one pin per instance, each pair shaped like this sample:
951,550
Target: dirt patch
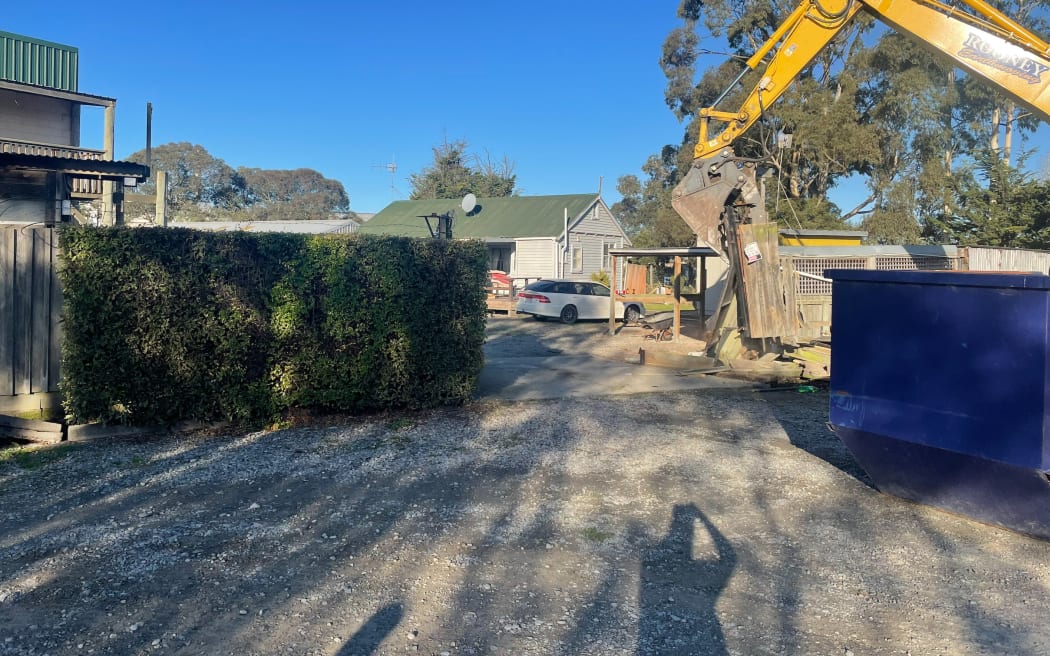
665,523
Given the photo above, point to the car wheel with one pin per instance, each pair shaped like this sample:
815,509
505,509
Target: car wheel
569,314
539,318
631,314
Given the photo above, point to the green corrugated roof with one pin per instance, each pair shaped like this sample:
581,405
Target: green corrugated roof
27,60
513,217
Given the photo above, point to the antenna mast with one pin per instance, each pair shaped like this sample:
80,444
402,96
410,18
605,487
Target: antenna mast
391,167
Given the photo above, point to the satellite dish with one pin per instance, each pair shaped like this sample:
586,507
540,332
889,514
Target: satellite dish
470,201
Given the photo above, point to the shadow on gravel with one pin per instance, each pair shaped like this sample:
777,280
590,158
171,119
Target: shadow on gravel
517,337
368,638
492,529
273,541
686,623
804,418
524,338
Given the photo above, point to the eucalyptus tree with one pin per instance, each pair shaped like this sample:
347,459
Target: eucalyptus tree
935,124
200,185
994,115
291,194
645,207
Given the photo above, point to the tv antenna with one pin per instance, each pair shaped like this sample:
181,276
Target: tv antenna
391,167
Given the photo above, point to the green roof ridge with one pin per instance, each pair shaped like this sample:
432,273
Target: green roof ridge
509,217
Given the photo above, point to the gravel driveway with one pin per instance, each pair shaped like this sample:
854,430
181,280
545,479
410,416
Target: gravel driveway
697,522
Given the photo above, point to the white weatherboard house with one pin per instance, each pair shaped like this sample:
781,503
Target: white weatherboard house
566,236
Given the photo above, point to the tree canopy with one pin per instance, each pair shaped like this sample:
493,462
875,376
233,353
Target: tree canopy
291,194
204,187
198,182
645,208
994,204
455,173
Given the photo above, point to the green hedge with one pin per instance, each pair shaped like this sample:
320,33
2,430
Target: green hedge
164,324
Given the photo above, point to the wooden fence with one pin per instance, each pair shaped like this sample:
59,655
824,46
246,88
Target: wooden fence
30,309
989,258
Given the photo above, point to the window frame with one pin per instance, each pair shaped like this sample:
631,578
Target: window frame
606,257
574,266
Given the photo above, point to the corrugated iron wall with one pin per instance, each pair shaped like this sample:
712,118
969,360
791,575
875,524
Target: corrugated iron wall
983,258
30,308
32,61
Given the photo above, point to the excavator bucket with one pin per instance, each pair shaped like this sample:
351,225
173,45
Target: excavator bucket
710,186
718,194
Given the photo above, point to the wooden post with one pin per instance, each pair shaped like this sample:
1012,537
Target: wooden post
612,297
677,283
112,194
118,203
162,198
109,206
109,119
8,268
53,208
149,134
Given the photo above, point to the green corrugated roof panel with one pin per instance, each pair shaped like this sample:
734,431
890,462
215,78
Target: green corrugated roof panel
513,217
27,60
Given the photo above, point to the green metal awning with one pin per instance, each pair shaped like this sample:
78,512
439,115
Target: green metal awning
93,168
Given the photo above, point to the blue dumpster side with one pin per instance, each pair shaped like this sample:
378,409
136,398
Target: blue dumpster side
940,388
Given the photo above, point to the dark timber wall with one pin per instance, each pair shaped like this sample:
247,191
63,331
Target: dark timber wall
30,309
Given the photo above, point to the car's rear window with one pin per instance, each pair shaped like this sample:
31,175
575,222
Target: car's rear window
564,288
539,286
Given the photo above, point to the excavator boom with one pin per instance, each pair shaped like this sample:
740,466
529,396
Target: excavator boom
982,41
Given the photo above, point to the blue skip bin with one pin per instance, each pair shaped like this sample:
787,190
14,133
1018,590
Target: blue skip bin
940,388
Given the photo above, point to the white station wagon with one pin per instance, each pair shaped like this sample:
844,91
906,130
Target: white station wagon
570,300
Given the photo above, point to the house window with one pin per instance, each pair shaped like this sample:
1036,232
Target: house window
500,259
577,259
606,257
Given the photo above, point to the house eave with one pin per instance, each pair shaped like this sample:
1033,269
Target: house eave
72,96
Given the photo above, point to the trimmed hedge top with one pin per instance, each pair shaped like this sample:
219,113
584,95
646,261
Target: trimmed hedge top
167,324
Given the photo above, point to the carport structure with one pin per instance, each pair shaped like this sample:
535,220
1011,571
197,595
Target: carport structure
701,252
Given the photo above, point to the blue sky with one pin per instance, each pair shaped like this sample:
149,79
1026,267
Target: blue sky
569,91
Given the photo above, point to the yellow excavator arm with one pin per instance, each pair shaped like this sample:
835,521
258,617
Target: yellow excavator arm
984,42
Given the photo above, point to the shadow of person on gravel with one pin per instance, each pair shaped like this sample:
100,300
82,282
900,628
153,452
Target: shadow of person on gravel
679,592
373,632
